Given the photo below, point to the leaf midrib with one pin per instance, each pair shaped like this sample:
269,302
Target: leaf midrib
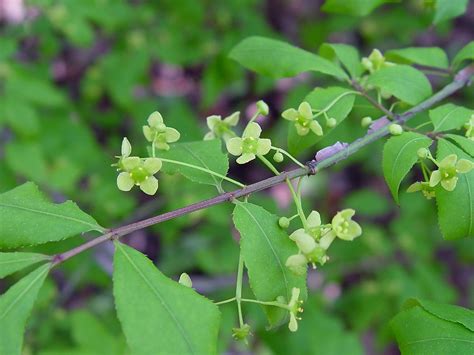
161,299
216,182
440,124
271,247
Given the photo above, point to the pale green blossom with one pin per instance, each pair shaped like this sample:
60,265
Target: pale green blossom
221,128
250,145
447,172
158,133
303,119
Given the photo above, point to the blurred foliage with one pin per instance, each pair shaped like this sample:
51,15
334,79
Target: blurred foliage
76,76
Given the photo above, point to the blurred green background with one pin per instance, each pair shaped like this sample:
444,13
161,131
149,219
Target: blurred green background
78,76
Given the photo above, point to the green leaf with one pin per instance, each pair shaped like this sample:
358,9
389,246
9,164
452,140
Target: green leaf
15,307
399,156
279,59
13,262
430,56
27,218
158,315
449,116
355,7
448,9
432,328
347,55
466,144
265,248
205,154
466,53
319,99
403,82
456,208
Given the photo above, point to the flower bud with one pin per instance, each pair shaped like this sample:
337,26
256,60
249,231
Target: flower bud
283,222
331,122
262,108
185,280
423,153
395,129
366,121
278,157
241,333
297,264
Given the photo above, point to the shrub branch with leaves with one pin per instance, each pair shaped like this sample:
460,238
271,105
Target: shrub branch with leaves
169,316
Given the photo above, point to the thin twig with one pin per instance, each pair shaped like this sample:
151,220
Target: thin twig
461,79
369,98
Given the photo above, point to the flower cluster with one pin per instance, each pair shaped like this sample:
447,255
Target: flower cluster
314,240
303,119
137,171
221,128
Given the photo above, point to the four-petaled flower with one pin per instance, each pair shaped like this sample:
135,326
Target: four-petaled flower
250,145
137,171
303,119
424,187
294,307
447,172
221,128
157,132
343,225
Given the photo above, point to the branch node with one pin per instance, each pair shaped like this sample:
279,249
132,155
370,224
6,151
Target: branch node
312,165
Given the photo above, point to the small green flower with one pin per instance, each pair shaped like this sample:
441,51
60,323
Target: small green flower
303,119
447,172
158,133
424,187
221,128
137,171
375,61
343,225
250,145
297,264
294,306
241,333
469,126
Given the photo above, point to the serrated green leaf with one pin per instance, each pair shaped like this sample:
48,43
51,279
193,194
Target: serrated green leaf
466,144
456,208
402,81
399,156
347,55
15,307
158,315
448,9
355,7
432,328
430,56
27,218
265,248
449,116
13,262
205,154
319,99
466,53
279,59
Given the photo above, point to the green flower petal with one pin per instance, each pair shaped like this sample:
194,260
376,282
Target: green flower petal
464,166
252,130
234,146
314,219
348,213
161,145
300,130
212,121
233,119
303,240
125,182
131,163
435,178
449,184
316,128
155,119
293,324
172,135
449,161
148,133
209,136
150,185
354,230
297,264
326,241
152,165
291,114
263,146
416,186
245,158
305,110
126,148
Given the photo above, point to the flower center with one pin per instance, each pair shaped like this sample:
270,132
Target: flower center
139,175
249,145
